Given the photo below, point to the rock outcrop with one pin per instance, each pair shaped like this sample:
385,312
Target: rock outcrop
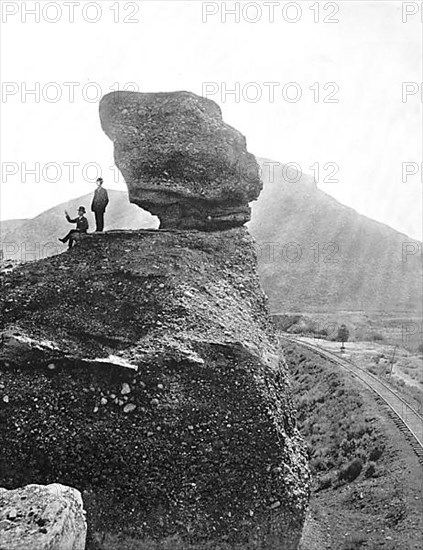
181,162
141,367
38,517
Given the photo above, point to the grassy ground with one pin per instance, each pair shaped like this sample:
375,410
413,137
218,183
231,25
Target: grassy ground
343,441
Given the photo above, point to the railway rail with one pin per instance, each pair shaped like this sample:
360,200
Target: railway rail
405,417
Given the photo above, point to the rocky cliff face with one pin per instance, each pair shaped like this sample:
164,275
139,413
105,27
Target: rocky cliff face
141,369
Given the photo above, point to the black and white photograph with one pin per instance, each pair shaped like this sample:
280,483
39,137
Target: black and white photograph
211,275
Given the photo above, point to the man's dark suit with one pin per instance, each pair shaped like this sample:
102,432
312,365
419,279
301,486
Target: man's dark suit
98,206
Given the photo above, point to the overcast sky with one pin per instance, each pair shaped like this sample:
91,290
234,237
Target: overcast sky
355,56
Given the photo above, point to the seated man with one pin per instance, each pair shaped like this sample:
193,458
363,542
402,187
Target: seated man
81,227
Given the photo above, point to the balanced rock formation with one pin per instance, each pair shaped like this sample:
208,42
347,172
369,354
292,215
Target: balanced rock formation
38,517
181,162
141,368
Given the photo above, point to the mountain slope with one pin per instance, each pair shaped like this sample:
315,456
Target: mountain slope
339,259
8,226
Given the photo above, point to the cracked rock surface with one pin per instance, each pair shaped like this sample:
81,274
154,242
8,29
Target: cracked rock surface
38,517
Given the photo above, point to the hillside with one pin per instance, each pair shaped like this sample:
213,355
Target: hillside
342,259
8,226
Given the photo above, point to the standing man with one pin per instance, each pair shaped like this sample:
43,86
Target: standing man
98,206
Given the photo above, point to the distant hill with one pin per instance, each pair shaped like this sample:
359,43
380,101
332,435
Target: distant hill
315,254
338,259
9,226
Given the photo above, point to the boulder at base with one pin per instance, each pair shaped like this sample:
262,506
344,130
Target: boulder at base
42,517
180,161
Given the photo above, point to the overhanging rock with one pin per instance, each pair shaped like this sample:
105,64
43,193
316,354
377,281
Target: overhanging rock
180,161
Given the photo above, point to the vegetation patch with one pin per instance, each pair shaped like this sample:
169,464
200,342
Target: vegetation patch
343,441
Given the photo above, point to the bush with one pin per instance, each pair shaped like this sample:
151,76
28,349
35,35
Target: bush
341,437
324,483
343,333
420,348
355,541
373,370
351,471
375,453
370,470
317,465
377,337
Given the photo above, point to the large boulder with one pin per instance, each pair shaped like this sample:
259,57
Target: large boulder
38,517
181,162
141,369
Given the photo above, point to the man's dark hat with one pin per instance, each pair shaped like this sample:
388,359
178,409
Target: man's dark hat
82,208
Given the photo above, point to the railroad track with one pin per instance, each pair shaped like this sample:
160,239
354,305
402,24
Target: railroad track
405,417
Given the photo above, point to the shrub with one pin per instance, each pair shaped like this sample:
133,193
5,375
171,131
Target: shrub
377,337
317,465
343,333
375,453
324,483
351,471
354,541
340,434
370,470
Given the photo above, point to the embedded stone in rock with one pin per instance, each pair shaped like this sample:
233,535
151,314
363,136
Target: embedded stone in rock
42,517
180,161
